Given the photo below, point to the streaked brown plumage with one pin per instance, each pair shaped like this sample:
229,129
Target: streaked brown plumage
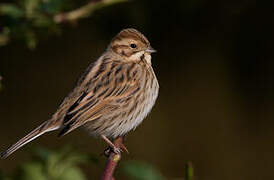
112,97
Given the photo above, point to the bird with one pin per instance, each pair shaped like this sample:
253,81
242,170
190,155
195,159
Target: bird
112,97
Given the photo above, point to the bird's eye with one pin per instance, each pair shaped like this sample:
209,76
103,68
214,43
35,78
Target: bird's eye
133,45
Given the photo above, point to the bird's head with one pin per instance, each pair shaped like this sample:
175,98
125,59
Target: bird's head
132,45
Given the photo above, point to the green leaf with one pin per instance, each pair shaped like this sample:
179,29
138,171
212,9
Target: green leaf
141,171
42,21
42,153
11,10
72,173
31,6
4,39
52,6
33,171
61,165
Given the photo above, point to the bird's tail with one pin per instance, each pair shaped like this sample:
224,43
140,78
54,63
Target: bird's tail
43,128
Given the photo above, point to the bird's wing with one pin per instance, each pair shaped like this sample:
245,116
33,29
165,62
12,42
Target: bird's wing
105,96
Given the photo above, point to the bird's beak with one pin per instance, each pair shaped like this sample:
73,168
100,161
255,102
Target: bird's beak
150,50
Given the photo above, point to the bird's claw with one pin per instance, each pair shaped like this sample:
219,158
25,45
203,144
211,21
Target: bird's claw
111,149
117,150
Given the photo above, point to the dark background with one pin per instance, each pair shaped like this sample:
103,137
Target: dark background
215,68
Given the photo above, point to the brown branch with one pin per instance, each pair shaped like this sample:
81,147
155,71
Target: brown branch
84,11
113,160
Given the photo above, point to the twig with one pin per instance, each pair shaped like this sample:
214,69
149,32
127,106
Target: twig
84,11
189,171
112,161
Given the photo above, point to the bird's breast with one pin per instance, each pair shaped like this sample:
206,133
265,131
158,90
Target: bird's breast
143,104
130,114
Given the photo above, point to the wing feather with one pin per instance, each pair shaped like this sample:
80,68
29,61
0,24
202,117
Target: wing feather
94,103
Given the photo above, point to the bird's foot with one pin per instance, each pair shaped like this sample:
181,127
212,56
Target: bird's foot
113,148
110,149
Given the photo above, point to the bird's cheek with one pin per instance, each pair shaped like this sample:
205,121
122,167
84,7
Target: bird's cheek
126,53
136,56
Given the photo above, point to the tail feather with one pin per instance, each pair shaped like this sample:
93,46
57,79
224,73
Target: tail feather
43,128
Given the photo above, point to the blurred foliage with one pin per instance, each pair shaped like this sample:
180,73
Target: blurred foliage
137,170
0,90
30,20
141,171
64,165
47,164
189,171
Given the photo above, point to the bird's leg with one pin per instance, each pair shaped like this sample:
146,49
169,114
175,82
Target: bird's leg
114,148
123,147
